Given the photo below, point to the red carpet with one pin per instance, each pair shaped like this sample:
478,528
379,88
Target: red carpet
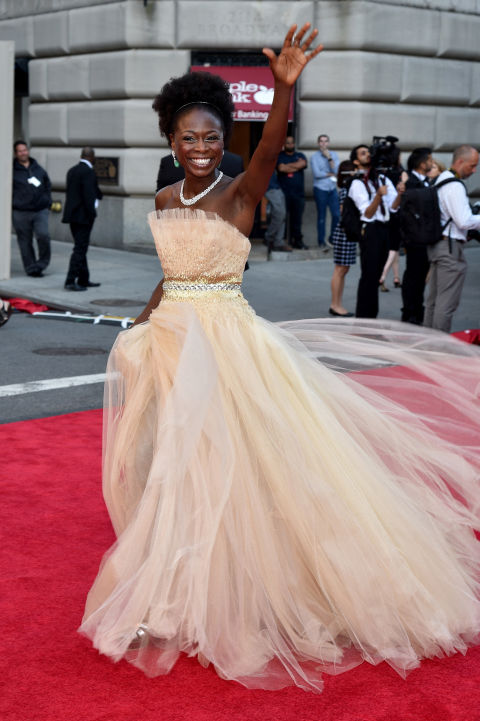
55,530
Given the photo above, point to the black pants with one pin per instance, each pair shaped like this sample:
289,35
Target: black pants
28,223
373,256
295,205
413,284
78,268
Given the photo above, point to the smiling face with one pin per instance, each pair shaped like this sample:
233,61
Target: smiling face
198,142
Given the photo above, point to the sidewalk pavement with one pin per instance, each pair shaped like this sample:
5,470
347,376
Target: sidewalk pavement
277,290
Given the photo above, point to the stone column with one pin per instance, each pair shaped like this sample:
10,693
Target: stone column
7,59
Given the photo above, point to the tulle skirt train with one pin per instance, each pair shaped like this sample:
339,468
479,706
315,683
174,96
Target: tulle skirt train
288,499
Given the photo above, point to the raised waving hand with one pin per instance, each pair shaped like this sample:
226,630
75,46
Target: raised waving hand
287,66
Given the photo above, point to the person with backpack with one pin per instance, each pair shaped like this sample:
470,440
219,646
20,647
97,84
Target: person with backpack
419,164
375,198
448,266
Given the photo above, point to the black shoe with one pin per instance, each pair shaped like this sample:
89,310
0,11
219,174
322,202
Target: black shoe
282,248
36,274
74,286
90,285
340,315
6,311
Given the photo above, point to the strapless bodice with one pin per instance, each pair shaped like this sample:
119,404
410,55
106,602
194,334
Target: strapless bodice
196,246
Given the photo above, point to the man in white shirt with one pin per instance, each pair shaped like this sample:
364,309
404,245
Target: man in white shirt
447,262
376,198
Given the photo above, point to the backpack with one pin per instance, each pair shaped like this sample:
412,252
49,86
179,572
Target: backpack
350,218
419,215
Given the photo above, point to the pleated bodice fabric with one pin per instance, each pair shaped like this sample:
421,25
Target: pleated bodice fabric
289,499
219,253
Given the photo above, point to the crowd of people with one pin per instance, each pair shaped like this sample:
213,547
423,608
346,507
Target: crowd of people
377,195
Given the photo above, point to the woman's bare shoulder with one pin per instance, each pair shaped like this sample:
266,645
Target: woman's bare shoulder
166,196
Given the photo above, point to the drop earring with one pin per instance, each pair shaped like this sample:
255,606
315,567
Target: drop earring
175,161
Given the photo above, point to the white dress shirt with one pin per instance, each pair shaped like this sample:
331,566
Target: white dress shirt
453,201
421,177
358,193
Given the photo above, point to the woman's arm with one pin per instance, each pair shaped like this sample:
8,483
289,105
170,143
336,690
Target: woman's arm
286,69
395,194
161,199
155,299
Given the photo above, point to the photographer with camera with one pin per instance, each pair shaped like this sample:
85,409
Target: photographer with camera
375,198
448,266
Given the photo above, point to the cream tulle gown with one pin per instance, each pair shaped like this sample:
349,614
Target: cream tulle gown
280,512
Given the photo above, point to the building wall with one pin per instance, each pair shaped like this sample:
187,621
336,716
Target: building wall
402,67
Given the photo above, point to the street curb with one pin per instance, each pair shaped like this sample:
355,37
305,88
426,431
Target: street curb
4,293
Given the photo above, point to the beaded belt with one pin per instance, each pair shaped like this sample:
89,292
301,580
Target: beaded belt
175,289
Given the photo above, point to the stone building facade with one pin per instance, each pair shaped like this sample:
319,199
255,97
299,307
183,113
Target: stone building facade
402,67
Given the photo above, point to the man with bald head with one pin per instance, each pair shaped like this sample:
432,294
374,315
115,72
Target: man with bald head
81,201
448,266
290,172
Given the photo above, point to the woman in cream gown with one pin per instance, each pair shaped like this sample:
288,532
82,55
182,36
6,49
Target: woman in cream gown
289,499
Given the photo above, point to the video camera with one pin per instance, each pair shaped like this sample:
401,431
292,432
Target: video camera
384,153
474,234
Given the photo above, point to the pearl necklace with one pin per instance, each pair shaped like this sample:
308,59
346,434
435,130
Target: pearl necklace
191,201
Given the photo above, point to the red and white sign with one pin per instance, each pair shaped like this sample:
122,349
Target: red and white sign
251,89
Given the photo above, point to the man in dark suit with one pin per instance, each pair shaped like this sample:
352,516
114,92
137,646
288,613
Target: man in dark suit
417,263
168,173
81,203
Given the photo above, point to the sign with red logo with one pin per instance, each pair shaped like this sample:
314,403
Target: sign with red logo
251,89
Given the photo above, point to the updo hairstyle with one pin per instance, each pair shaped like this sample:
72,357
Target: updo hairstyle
210,91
